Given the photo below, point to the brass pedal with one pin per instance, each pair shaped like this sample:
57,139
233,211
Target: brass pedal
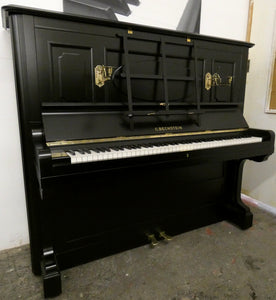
164,236
152,239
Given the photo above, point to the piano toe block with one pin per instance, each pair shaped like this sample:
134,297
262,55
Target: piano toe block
240,216
51,274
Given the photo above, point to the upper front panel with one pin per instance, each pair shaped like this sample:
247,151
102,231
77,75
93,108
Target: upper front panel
113,65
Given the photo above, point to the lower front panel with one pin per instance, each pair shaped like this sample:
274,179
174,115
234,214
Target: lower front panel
97,214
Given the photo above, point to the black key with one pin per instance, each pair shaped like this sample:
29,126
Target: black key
115,148
86,150
96,150
71,152
80,151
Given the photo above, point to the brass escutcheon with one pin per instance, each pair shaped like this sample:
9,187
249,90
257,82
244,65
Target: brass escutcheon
102,74
215,80
208,81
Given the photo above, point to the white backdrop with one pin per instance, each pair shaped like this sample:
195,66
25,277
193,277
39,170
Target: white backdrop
219,17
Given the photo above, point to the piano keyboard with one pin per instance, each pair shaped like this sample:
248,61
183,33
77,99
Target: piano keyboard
118,152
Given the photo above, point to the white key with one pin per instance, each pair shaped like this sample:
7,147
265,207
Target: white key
155,150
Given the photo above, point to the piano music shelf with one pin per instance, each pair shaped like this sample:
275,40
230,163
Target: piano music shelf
232,104
141,106
158,77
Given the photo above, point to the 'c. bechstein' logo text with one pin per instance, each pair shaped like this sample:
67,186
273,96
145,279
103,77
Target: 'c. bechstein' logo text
168,128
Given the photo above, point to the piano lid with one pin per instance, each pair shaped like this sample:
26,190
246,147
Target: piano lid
9,10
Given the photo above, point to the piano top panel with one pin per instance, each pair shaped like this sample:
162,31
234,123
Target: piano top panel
22,10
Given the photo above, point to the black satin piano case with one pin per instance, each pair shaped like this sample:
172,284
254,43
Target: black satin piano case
129,134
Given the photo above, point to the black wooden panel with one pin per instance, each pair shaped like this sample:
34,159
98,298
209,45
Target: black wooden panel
116,200
29,113
224,93
66,62
105,124
80,53
225,61
72,74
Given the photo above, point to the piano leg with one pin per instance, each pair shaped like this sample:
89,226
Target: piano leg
50,273
236,211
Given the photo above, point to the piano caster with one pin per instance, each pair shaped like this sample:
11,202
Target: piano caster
153,241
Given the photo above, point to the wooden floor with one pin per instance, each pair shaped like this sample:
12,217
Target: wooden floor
215,262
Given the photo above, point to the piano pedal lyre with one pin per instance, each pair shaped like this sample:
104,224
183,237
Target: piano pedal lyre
153,241
163,235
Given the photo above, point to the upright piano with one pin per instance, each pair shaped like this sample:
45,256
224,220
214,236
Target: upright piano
130,134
